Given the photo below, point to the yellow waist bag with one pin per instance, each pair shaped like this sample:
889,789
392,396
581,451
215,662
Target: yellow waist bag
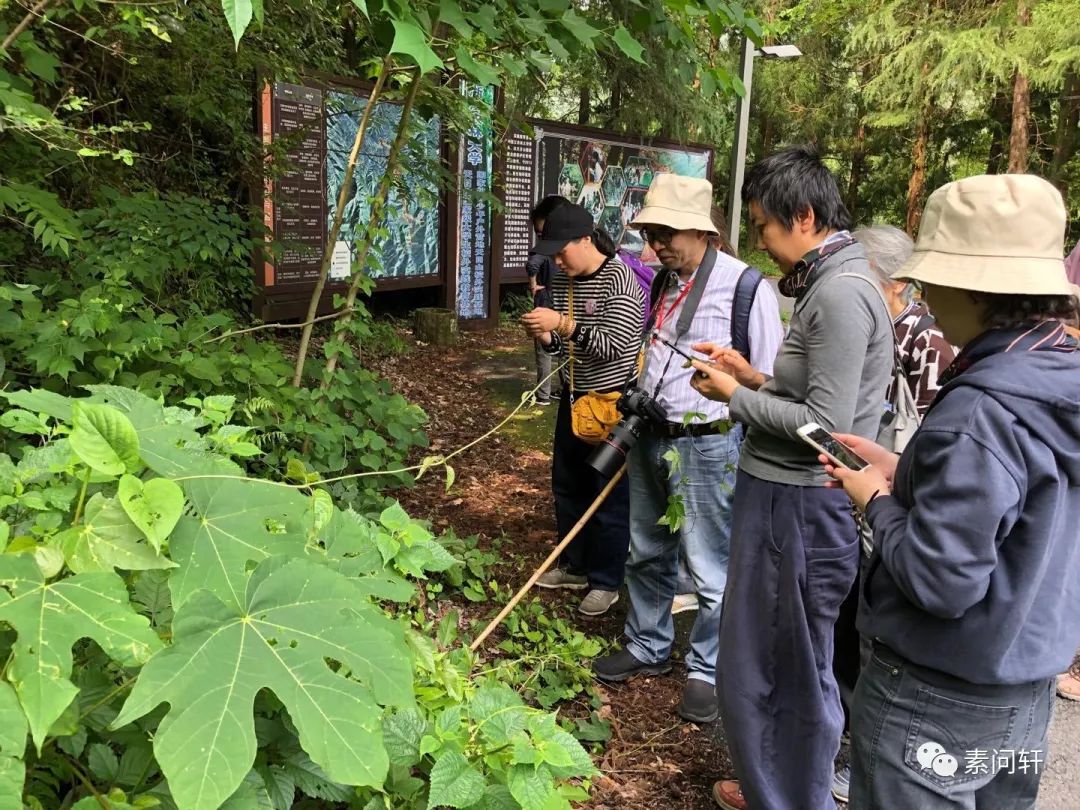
594,415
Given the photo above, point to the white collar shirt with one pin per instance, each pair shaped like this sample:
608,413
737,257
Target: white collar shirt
712,324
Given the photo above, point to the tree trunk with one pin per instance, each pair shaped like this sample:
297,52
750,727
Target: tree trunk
1068,120
378,207
439,327
858,152
917,183
1000,120
348,35
335,227
768,135
584,110
1021,107
858,166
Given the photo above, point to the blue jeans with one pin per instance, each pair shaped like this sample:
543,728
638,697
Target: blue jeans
706,481
922,738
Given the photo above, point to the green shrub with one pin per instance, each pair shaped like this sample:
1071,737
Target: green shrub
179,634
132,307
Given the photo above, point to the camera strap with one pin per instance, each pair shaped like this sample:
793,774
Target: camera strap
690,304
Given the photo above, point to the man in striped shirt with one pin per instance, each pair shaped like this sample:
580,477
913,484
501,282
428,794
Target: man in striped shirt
595,323
694,453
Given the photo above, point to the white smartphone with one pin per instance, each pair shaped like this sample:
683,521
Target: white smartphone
840,454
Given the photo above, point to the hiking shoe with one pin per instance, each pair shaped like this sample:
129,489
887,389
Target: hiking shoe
542,403
558,578
683,602
699,703
623,665
841,783
597,602
728,795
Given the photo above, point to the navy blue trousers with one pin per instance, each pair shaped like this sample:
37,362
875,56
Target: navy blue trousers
794,556
601,549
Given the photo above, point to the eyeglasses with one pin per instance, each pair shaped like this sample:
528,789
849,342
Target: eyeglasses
662,235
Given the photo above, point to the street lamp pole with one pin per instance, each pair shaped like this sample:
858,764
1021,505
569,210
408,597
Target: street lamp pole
742,129
738,146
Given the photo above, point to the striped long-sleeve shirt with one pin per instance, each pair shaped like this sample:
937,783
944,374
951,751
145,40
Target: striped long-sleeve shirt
607,308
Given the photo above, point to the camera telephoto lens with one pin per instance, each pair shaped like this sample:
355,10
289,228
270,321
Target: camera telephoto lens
611,453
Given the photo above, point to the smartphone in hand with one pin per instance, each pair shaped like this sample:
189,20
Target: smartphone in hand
839,454
676,349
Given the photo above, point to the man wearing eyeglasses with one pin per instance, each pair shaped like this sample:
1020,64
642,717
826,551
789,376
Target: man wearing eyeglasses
701,294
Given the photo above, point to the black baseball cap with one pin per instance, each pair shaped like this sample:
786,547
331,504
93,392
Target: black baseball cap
563,225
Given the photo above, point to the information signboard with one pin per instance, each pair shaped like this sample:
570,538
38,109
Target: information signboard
606,173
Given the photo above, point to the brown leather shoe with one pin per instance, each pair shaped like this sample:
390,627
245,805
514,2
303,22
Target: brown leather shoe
728,795
1068,686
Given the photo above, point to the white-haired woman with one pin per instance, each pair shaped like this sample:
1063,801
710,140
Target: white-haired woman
924,351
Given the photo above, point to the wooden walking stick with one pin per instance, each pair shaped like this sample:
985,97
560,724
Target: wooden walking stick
550,559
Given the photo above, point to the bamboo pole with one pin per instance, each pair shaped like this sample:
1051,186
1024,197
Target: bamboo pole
550,559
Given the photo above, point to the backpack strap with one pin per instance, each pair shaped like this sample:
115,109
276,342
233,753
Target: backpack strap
690,305
884,304
741,304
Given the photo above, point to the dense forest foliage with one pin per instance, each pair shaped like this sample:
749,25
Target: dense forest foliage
206,597
900,95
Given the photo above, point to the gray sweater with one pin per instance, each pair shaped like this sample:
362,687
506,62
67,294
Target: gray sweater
833,368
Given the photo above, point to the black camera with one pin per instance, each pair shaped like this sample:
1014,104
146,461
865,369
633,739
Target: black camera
638,410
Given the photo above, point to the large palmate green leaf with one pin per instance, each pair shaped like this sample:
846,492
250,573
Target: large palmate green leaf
49,619
169,442
234,523
628,45
12,746
295,618
108,539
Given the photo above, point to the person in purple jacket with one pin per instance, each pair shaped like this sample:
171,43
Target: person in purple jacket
972,589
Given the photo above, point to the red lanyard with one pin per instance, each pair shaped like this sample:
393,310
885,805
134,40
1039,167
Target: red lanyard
662,316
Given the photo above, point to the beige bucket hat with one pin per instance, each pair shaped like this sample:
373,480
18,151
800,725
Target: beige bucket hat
681,203
1002,233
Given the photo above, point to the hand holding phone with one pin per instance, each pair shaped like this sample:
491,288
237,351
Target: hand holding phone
840,454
